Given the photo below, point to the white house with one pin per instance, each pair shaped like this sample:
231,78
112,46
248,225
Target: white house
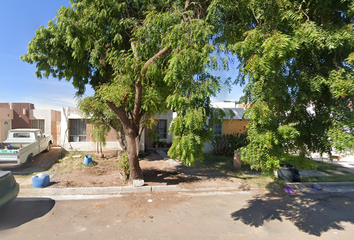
75,133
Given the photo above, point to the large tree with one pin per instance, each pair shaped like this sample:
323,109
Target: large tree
296,59
142,57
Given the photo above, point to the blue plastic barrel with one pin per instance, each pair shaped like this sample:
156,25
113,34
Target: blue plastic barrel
87,160
40,181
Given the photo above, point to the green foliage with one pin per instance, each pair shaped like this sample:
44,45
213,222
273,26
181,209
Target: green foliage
100,116
226,144
92,164
142,58
123,163
296,60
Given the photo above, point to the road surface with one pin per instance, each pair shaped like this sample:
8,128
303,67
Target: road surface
206,215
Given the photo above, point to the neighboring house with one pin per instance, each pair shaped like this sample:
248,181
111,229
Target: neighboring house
6,116
161,130
75,133
24,115
232,124
229,125
48,121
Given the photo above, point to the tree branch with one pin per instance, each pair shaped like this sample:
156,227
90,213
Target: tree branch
308,18
161,53
141,131
116,132
137,104
120,111
132,44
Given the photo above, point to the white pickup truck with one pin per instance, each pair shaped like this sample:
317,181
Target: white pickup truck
22,145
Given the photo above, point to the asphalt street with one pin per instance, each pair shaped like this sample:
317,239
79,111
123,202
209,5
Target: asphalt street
184,215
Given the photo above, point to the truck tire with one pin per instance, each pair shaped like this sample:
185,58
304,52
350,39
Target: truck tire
29,160
48,147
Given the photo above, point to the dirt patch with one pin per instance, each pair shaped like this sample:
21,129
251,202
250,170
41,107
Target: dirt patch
70,171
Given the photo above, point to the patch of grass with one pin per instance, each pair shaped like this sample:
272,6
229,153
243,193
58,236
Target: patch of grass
70,162
224,165
93,163
321,166
306,163
331,178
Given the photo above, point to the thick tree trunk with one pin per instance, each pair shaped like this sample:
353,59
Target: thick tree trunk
135,170
131,132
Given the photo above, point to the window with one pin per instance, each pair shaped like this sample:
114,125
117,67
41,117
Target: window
217,129
77,130
21,135
38,124
161,129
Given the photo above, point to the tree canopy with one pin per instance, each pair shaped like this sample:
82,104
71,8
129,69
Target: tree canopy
296,59
146,57
142,58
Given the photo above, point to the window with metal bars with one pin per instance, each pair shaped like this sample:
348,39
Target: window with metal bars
77,130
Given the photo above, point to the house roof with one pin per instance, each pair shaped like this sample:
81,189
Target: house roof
239,112
230,106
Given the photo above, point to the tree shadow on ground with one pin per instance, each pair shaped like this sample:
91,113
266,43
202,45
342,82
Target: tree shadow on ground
311,213
168,177
186,174
23,210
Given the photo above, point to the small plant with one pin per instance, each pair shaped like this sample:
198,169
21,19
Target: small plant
227,143
160,143
123,164
91,164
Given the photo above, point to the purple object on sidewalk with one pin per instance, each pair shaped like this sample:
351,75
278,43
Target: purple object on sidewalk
316,187
289,190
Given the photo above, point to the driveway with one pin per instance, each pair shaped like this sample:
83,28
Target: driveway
41,162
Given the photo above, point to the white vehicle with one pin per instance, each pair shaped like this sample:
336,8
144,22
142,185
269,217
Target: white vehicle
22,145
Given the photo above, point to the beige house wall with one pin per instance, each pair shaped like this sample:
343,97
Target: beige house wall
6,116
68,113
164,116
52,120
234,126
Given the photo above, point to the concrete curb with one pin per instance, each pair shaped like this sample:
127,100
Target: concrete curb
111,192
39,192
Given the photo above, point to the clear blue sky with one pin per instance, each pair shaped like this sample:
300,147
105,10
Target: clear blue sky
19,20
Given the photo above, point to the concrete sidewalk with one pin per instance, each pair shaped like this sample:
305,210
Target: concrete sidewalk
112,192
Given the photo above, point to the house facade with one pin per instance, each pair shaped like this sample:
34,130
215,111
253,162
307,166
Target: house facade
76,133
24,115
230,124
6,116
161,130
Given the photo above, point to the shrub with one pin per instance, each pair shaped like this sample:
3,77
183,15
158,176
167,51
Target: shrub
124,164
226,144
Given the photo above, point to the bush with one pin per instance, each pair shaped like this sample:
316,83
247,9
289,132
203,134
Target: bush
227,143
124,164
